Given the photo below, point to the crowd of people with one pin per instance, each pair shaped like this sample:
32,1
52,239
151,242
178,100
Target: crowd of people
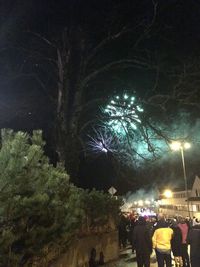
168,237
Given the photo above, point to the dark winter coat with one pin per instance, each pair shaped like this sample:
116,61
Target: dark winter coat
194,241
141,239
176,241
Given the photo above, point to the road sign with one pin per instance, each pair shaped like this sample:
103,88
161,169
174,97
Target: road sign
112,190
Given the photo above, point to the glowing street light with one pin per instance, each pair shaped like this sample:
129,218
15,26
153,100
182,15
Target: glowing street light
175,145
167,193
187,145
181,146
178,145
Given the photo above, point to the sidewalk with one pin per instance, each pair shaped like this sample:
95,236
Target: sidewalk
128,259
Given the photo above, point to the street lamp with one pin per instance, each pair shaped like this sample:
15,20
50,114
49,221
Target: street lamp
181,146
167,193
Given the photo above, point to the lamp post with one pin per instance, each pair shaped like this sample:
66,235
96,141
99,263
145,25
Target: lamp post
181,146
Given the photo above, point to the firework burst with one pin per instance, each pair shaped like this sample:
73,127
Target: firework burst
102,142
123,114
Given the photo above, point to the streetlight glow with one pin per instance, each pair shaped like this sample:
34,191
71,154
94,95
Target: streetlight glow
187,145
175,145
167,193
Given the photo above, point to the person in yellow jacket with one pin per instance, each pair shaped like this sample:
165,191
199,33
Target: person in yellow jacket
162,243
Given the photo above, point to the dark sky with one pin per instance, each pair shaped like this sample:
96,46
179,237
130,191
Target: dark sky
25,105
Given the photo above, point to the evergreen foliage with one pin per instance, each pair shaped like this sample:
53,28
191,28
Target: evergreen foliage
39,208
100,207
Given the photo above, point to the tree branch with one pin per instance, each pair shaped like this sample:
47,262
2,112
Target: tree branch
45,40
148,29
106,41
123,63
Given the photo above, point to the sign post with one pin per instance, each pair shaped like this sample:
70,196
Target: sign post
112,191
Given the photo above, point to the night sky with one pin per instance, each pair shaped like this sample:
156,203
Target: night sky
27,84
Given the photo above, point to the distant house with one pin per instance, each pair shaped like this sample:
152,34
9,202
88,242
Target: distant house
179,205
194,198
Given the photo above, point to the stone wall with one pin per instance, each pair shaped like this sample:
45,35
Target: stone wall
79,252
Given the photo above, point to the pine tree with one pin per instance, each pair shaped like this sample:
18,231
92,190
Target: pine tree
38,206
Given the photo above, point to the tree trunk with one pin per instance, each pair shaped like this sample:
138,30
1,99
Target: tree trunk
68,110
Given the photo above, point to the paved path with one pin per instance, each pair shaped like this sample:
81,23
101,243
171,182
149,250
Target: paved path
127,259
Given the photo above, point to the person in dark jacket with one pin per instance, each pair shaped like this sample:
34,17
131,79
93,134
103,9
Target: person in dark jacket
92,261
194,241
142,243
122,232
176,243
184,246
